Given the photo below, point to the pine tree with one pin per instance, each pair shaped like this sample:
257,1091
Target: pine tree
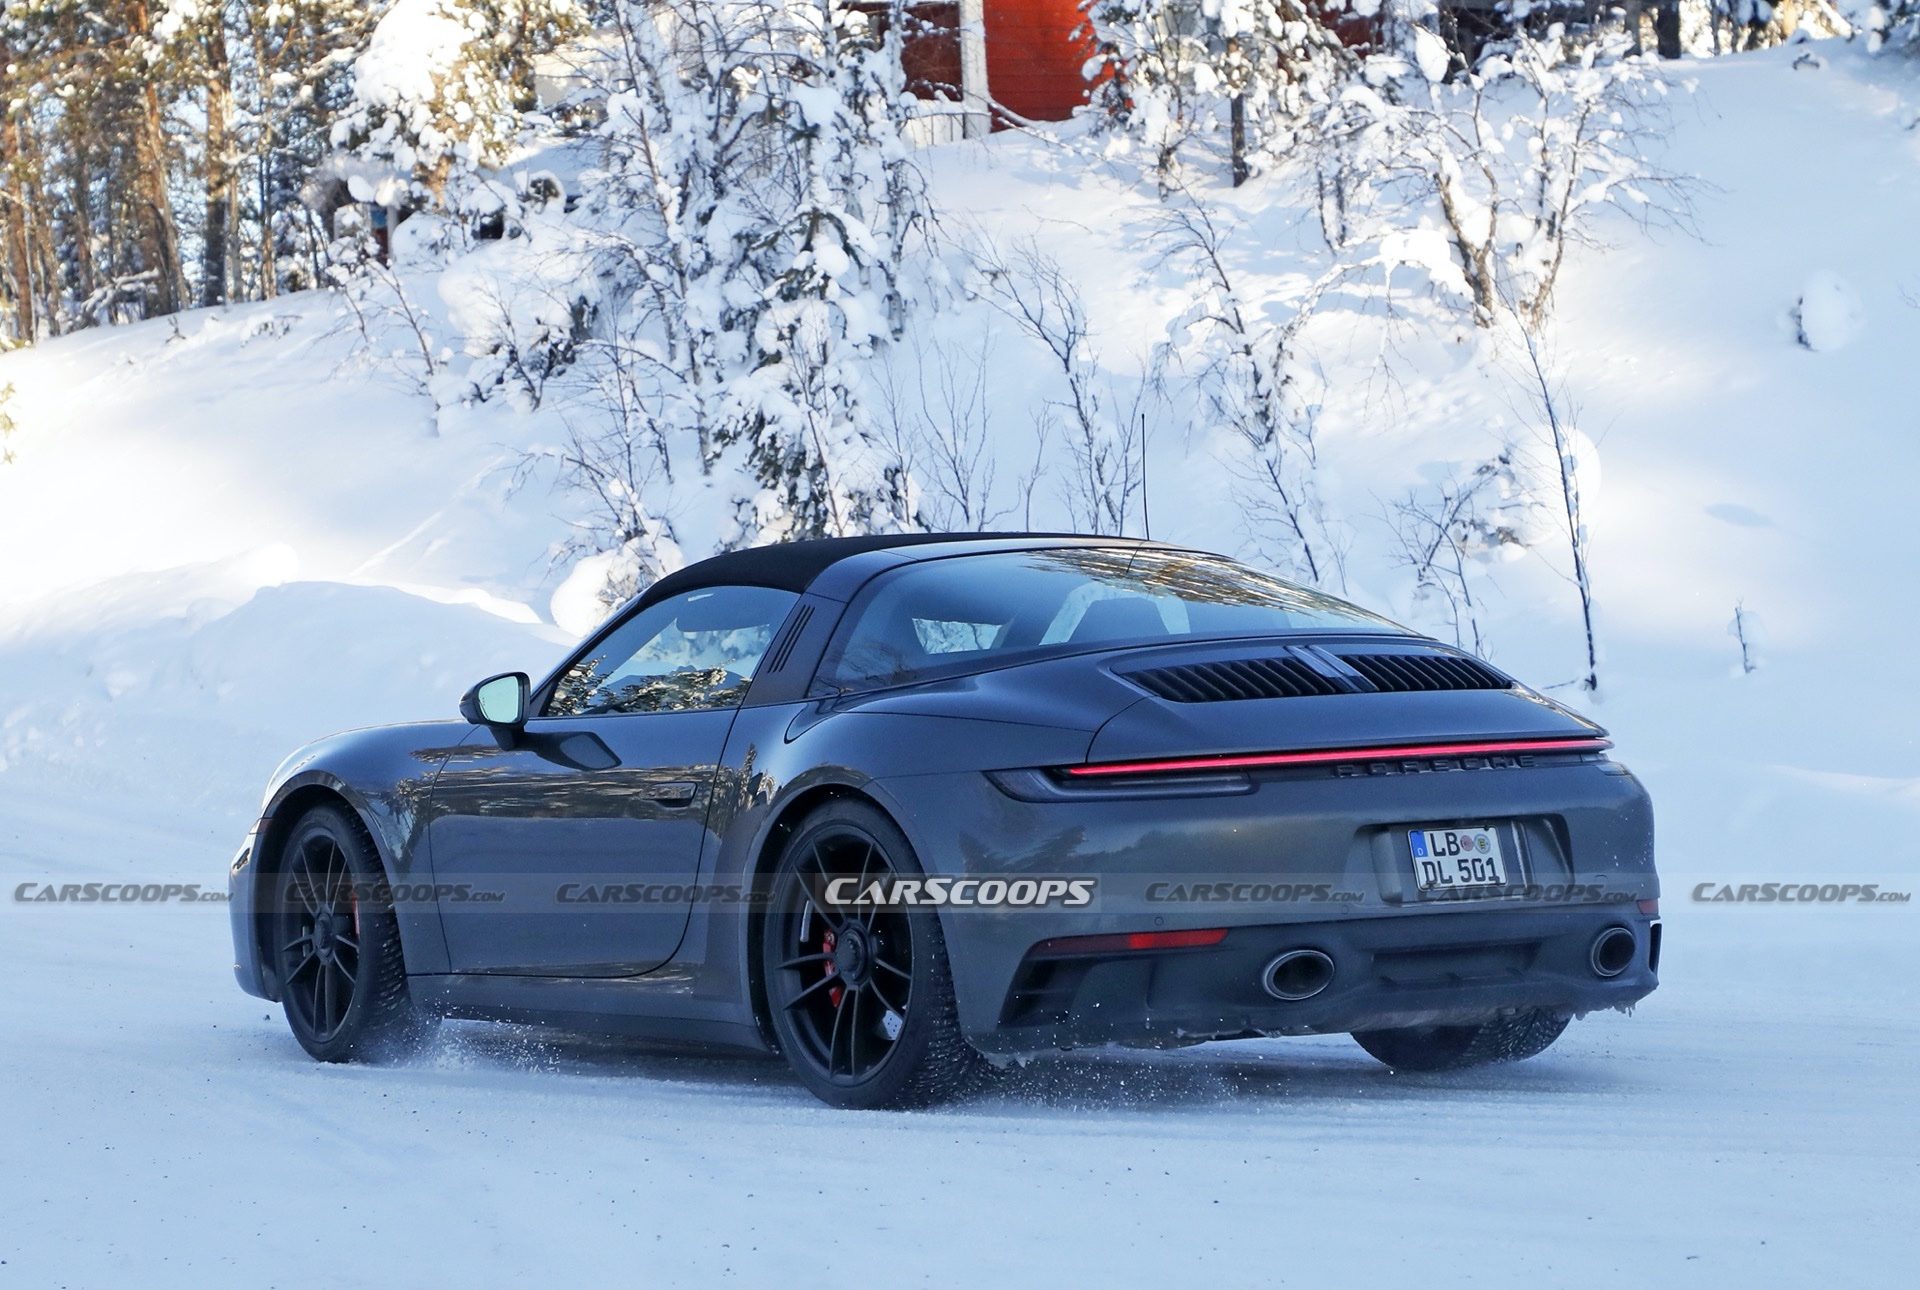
755,211
438,91
833,292
295,77
1179,70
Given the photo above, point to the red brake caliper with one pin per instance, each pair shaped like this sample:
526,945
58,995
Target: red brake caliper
826,947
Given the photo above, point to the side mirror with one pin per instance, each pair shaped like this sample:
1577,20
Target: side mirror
499,702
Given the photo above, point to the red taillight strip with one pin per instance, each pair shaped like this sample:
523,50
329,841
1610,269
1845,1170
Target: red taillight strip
1248,761
1127,941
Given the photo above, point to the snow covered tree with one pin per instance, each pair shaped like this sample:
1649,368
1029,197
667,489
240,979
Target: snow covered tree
293,77
1175,71
440,86
89,89
831,261
752,239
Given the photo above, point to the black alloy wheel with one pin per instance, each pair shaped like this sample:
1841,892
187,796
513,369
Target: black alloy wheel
335,944
859,993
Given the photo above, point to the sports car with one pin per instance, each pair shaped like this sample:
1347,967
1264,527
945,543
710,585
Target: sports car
909,809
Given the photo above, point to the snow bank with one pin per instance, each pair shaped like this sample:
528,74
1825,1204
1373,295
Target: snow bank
177,693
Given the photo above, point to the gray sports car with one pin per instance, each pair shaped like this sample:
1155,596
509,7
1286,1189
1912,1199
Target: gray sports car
905,808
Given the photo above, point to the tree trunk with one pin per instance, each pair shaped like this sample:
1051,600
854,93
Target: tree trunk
37,216
150,179
19,239
219,164
1238,139
266,122
1666,29
269,253
80,216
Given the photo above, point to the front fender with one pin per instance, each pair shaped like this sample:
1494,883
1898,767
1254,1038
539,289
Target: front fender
385,777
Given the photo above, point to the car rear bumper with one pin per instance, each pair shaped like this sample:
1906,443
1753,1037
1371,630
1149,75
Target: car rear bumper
1385,972
1309,859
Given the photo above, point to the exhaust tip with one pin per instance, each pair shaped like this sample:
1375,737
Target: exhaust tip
1612,952
1297,975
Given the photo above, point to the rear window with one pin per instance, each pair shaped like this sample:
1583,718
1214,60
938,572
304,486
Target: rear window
960,614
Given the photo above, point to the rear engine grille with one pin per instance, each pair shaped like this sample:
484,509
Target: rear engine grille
1239,678
1288,676
1403,673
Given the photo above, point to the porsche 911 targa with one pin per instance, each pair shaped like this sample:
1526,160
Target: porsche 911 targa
905,809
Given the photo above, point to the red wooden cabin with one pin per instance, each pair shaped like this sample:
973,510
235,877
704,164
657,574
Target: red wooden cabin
1025,57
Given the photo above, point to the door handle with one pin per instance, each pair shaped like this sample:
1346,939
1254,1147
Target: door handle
679,793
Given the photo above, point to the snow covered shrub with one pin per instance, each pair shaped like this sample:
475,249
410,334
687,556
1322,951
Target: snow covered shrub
1259,396
1103,428
1517,156
7,426
1448,529
439,88
1176,71
1754,24
1887,24
1827,314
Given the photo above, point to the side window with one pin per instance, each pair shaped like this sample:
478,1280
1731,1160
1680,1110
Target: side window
692,651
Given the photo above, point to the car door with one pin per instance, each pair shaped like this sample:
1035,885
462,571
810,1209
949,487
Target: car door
570,849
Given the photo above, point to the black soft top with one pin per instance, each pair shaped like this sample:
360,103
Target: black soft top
793,566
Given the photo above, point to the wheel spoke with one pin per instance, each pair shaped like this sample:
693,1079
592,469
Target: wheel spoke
805,959
853,1032
819,861
810,991
346,942
301,966
833,1040
304,889
348,1003
304,938
902,973
873,984
835,923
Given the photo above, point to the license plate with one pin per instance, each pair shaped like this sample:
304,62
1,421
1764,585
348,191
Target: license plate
1463,859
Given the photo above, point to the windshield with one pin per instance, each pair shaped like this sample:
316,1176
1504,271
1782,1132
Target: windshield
960,614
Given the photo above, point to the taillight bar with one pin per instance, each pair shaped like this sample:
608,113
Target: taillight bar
1317,757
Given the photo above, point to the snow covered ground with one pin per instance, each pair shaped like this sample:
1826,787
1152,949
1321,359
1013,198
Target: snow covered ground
1751,1125
218,543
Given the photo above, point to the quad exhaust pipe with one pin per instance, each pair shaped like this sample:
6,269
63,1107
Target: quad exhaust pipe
1297,975
1612,952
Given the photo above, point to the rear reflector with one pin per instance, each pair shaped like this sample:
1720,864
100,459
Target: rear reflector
1248,761
1650,907
1125,942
